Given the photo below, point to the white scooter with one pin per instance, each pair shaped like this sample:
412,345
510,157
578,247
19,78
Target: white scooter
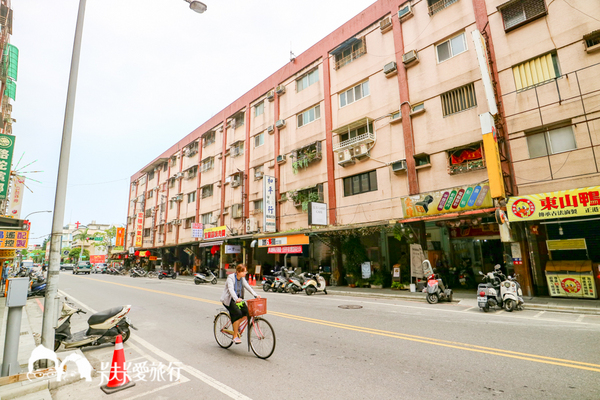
104,327
512,295
207,276
314,283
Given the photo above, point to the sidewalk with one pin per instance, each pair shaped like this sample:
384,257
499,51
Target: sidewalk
464,296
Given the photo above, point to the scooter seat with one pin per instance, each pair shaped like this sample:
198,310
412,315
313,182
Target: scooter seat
104,315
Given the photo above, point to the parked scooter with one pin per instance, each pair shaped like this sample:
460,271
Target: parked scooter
436,291
267,282
37,288
137,273
206,276
295,282
104,327
167,274
489,292
512,295
314,283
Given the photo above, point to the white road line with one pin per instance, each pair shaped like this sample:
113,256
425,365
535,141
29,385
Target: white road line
469,309
226,390
155,390
539,314
581,317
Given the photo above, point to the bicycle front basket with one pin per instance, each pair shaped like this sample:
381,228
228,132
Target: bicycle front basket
257,307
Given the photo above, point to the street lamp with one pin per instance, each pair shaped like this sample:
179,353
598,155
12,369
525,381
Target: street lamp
51,303
197,6
35,212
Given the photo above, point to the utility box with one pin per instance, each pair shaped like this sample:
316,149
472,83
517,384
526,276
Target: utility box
17,292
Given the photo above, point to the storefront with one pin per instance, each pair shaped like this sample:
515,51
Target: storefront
561,230
291,251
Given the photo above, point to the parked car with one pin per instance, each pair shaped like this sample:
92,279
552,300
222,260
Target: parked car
83,267
99,268
65,267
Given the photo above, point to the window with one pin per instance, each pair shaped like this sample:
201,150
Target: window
536,71
171,204
173,161
356,132
551,141
171,182
208,138
465,159
170,228
258,206
421,160
161,229
451,47
520,12
150,175
592,41
349,52
191,172
146,232
259,139
150,194
307,80
356,93
309,115
259,109
165,166
208,163
191,197
237,149
187,223
258,172
459,99
207,191
438,5
238,120
207,218
360,183
236,179
148,213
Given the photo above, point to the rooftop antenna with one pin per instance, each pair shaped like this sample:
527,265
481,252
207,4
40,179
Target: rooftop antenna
292,56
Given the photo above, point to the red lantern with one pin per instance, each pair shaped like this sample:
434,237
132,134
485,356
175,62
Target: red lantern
214,249
137,253
126,256
148,254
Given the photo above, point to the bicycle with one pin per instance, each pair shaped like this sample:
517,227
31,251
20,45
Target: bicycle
261,336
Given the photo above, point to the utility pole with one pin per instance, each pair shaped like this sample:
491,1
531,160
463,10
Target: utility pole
50,303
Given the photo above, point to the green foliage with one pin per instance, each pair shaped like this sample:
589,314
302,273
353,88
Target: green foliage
397,285
377,278
356,254
305,156
74,254
303,197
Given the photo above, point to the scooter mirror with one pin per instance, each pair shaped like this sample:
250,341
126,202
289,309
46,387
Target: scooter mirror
480,273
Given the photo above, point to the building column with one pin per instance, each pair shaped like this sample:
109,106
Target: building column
331,193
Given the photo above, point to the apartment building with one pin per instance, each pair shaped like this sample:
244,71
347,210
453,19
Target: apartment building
414,122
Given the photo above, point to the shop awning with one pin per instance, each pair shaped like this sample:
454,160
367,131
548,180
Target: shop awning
448,215
210,244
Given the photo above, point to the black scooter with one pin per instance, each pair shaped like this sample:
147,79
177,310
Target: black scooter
167,274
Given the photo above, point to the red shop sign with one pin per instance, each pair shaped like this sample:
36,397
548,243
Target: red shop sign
285,250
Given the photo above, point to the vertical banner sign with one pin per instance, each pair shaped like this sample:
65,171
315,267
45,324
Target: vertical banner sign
16,196
7,146
269,216
492,155
120,237
139,227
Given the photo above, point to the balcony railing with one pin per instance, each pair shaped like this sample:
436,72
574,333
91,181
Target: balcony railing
468,166
351,57
440,5
368,137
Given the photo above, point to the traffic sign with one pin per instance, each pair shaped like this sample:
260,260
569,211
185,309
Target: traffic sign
98,238
65,252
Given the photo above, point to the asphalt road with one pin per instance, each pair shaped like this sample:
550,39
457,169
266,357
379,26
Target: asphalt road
387,349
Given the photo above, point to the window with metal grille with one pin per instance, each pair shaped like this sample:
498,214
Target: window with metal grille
438,5
150,175
170,228
208,163
208,138
459,99
207,218
536,71
237,149
146,232
187,223
591,40
519,12
360,183
148,213
258,206
207,191
345,54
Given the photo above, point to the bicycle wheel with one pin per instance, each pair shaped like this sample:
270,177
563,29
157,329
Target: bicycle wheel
223,330
262,338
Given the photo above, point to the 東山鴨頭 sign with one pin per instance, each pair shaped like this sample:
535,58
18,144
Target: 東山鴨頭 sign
7,145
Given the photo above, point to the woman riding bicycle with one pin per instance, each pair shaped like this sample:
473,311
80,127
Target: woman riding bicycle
233,298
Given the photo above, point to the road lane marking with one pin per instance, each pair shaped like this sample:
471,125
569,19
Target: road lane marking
421,339
539,314
468,309
221,387
581,317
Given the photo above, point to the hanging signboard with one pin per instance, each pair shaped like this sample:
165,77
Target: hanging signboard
233,249
16,197
14,239
452,200
283,240
139,227
120,239
7,145
8,253
562,204
285,250
214,233
269,212
365,269
197,230
317,213
416,261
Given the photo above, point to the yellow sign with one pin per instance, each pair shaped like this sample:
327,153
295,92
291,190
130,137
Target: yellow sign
563,204
447,201
14,239
283,240
572,285
566,244
214,233
7,253
492,156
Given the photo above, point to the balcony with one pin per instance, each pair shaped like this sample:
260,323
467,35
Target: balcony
365,138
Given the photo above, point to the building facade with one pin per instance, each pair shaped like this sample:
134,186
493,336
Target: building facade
414,122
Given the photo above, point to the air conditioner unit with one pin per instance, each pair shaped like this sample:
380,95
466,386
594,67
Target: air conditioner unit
361,151
236,182
270,129
234,231
280,89
236,211
215,219
345,157
390,69
399,166
385,24
258,175
186,152
270,95
405,12
179,197
177,222
218,183
280,124
281,159
251,225
256,211
410,57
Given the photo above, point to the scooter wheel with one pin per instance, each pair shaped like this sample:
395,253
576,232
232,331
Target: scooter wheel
293,290
432,298
266,287
214,281
310,290
486,308
160,276
197,281
509,305
174,276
